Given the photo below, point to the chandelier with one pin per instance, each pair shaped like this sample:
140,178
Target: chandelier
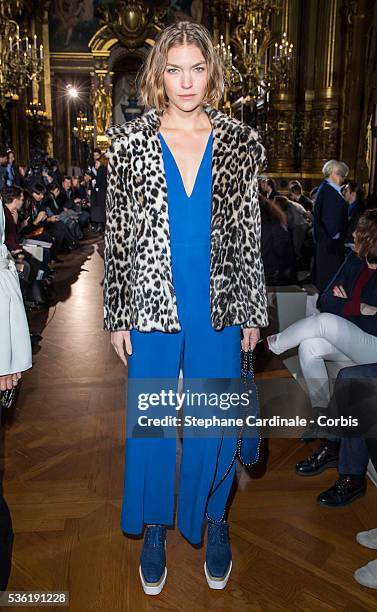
256,11
21,60
36,111
83,130
253,63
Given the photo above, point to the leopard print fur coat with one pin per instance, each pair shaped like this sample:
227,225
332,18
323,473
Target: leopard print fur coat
138,287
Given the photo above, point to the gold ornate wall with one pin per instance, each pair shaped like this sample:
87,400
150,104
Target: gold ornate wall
324,113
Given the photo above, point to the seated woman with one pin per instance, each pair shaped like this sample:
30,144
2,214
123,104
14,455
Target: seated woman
346,328
276,245
297,222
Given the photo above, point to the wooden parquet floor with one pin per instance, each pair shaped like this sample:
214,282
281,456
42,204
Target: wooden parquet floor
63,483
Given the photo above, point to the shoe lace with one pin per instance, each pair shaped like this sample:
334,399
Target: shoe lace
341,484
155,536
318,451
218,534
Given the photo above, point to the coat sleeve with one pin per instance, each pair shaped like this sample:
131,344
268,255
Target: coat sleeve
118,243
250,244
344,276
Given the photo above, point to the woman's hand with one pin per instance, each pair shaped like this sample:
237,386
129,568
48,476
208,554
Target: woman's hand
366,309
41,216
250,338
8,381
338,291
121,340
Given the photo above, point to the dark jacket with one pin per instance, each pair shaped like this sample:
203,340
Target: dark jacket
272,195
63,200
10,231
2,177
98,208
355,211
306,202
330,221
347,276
277,254
12,175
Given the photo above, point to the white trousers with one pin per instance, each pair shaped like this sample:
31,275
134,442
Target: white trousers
323,337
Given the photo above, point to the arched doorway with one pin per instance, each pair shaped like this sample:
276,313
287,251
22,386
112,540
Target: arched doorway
118,49
124,66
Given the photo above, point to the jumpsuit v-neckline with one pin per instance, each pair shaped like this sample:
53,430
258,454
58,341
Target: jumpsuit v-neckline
166,149
190,221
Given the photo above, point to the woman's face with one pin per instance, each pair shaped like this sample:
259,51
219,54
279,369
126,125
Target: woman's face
357,240
185,77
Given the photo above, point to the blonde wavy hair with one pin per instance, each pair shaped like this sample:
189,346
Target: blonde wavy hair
151,77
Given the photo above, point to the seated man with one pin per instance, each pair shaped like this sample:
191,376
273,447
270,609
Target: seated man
67,214
70,211
33,270
43,223
79,196
296,193
354,395
67,187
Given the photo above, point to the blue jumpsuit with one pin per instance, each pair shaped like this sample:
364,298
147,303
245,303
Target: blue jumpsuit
201,351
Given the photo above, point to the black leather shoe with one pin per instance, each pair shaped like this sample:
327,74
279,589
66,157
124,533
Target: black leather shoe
343,492
324,457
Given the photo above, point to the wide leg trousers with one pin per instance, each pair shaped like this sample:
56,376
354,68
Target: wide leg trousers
150,463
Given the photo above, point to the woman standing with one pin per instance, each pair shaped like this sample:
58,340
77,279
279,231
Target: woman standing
98,203
183,275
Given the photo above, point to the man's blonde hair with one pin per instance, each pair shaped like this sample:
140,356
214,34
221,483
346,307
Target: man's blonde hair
150,79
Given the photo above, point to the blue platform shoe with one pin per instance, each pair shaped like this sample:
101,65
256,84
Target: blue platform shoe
152,567
218,564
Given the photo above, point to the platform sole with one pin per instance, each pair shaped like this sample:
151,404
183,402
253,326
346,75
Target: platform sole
217,583
153,588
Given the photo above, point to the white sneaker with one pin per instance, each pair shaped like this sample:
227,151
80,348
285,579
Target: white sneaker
367,538
367,575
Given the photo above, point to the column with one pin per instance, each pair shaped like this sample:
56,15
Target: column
47,81
281,117
320,135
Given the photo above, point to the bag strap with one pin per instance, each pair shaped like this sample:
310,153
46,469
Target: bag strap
247,372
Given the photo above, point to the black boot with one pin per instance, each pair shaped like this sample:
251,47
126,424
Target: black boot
326,456
347,489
